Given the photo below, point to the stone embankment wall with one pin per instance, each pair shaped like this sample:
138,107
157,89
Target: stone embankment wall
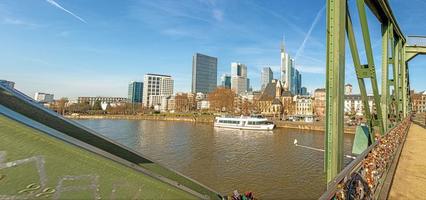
316,126
186,118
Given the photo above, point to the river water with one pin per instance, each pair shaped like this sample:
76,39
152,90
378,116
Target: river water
264,162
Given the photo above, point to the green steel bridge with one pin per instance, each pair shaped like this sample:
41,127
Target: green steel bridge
380,143
45,156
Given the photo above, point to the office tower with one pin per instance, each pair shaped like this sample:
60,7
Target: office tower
43,97
286,65
239,77
204,73
135,92
266,77
156,85
299,83
296,82
304,91
226,81
238,69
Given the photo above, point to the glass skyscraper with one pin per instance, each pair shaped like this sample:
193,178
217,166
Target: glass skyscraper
267,76
135,92
226,81
204,73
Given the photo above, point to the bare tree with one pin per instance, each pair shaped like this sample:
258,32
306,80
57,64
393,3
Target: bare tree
222,99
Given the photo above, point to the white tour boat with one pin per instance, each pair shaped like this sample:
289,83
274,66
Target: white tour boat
246,123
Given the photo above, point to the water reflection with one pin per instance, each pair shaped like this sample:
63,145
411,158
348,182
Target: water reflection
265,162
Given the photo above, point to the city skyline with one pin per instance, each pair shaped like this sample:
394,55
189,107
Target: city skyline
109,49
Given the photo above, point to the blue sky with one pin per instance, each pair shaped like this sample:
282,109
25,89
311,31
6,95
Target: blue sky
95,48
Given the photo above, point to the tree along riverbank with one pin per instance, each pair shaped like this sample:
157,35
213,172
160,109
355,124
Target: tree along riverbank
315,126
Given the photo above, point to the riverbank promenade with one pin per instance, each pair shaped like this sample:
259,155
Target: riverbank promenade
410,180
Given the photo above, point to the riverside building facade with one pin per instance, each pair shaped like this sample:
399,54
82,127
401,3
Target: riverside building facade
156,86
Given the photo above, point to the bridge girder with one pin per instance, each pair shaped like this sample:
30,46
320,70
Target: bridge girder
413,51
387,106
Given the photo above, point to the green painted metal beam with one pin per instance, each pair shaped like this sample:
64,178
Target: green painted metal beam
400,80
383,12
396,64
386,29
358,69
404,84
371,66
413,51
335,81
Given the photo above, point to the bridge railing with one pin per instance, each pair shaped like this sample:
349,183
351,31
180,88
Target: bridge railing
370,175
416,41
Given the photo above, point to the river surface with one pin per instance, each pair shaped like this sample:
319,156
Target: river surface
264,162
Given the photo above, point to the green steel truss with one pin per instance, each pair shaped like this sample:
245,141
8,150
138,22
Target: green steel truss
393,104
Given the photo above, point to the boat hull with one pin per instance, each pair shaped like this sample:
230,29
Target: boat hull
261,128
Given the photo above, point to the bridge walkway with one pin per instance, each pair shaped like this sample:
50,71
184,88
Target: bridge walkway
410,178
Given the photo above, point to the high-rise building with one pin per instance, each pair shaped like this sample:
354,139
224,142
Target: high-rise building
238,69
286,68
8,84
304,91
299,83
296,82
239,84
239,78
226,81
204,73
156,85
43,97
135,92
249,89
267,76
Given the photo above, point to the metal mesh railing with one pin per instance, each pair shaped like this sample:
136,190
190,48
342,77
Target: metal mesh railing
416,41
367,176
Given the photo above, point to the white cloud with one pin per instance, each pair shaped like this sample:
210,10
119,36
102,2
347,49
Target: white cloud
54,3
308,35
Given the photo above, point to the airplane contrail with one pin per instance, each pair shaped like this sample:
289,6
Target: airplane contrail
308,35
53,2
